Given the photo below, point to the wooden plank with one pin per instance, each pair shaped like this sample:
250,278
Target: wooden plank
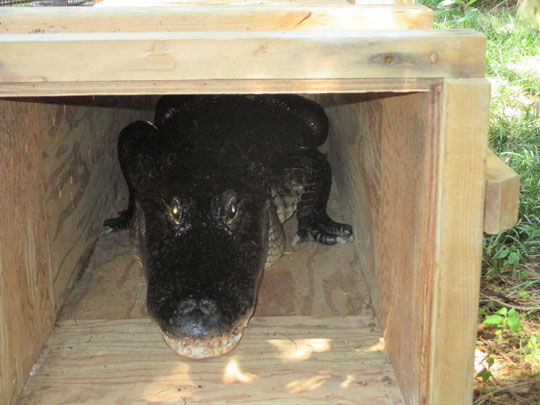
281,360
458,259
502,195
81,177
406,238
272,17
408,183
130,57
216,87
238,3
56,160
310,279
26,296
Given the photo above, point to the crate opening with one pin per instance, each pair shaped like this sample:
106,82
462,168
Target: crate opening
314,305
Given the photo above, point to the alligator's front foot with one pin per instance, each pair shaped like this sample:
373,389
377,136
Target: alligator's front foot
323,230
119,223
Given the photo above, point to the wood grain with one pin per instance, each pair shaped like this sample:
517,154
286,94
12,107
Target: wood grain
458,259
82,178
270,17
26,295
163,56
281,360
502,195
385,171
411,182
217,87
58,176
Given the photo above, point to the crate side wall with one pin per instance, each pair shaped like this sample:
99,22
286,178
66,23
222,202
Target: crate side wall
59,176
82,179
26,297
382,149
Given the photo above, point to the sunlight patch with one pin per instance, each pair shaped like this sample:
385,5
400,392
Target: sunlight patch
299,349
234,374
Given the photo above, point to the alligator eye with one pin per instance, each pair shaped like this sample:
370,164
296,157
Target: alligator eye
232,210
175,212
231,206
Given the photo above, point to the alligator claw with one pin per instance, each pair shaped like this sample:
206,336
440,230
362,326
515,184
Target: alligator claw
329,233
107,230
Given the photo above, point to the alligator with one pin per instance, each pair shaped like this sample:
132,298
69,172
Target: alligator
210,182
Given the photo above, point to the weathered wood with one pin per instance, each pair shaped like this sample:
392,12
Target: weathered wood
130,57
26,296
58,170
272,17
382,144
502,195
217,87
458,254
411,180
281,360
82,174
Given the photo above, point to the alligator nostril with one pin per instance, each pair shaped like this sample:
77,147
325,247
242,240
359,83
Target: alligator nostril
186,306
208,306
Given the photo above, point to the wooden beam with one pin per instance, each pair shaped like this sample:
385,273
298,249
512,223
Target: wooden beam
280,360
271,17
26,293
162,57
216,87
448,370
502,196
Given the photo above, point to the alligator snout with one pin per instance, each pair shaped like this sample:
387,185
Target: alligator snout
195,318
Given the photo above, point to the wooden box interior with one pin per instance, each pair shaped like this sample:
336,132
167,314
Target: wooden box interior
313,337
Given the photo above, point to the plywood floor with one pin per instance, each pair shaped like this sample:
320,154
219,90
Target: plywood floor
313,339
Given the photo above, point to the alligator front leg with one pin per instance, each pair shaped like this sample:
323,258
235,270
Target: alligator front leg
136,143
307,174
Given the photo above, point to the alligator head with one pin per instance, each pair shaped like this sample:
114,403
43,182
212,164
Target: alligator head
203,243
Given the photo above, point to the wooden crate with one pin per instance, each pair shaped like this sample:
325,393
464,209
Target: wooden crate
408,108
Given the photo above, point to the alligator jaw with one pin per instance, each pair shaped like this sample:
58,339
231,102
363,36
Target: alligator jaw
208,348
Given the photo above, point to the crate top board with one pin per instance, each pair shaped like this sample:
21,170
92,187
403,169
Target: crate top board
317,46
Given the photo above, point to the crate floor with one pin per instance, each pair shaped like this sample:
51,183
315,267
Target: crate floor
280,360
313,339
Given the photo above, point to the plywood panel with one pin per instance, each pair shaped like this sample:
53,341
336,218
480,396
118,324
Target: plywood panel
281,360
26,296
56,161
385,144
271,17
407,233
82,175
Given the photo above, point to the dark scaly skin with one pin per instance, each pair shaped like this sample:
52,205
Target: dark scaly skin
209,186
